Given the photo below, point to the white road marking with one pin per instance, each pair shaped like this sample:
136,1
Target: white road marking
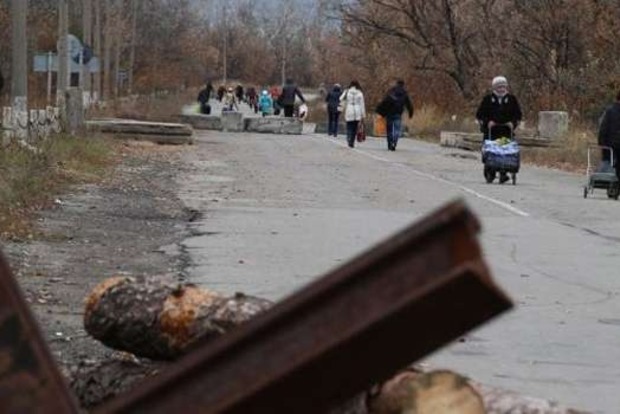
468,190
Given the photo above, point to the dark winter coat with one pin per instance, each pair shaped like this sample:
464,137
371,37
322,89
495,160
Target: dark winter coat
205,95
609,131
287,97
395,102
333,99
501,110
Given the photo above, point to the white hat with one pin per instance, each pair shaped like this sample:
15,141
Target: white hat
499,80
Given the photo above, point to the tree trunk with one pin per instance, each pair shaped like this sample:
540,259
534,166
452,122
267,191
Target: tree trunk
160,320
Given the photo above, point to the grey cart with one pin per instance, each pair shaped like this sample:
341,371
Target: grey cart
602,176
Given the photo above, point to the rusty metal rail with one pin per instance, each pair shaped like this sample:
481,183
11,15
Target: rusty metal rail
392,305
29,379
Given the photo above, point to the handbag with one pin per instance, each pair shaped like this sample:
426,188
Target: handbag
360,135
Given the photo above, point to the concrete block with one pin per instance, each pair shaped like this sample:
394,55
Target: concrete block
232,121
200,121
274,125
552,124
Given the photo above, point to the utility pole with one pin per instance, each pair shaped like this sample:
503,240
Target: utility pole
132,53
87,22
107,49
97,44
62,80
19,68
224,12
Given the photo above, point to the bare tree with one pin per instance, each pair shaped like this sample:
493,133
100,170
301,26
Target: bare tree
444,36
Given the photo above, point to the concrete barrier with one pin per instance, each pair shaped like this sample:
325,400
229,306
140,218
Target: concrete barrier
274,125
232,121
200,121
158,132
552,124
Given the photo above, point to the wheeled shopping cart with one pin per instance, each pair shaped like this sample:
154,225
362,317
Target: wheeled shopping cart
604,175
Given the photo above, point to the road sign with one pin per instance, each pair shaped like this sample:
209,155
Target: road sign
44,62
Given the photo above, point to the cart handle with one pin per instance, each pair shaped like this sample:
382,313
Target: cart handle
507,124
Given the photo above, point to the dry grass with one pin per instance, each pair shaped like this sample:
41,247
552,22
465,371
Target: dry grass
29,180
570,154
428,121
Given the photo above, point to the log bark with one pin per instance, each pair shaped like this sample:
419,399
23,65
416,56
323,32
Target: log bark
94,384
433,392
158,319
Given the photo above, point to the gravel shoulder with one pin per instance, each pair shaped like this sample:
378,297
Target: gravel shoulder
131,223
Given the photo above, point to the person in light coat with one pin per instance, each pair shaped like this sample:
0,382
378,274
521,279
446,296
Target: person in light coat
352,99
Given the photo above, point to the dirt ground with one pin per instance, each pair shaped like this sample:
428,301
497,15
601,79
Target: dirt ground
129,224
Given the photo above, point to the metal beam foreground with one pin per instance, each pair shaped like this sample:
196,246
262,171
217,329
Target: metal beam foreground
356,326
29,379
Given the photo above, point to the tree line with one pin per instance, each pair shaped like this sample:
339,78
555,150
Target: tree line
557,54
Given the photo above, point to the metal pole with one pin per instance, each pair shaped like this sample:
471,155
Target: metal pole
225,44
49,78
132,55
19,68
87,22
97,44
62,82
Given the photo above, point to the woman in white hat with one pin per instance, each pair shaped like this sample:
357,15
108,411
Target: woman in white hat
499,113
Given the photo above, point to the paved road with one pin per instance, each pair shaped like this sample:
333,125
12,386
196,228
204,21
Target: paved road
282,210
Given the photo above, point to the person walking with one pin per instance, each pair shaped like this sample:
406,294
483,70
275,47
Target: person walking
287,98
230,101
352,99
265,103
609,133
391,108
203,99
333,106
499,114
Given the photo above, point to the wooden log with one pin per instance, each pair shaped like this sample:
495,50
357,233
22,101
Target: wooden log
94,384
158,319
413,391
433,392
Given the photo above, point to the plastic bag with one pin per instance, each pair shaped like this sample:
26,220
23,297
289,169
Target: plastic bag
303,111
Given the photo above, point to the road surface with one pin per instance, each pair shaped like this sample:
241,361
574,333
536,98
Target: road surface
279,211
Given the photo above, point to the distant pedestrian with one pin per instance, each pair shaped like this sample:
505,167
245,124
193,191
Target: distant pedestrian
1,81
391,108
203,98
221,91
352,99
287,98
609,133
252,98
265,103
239,93
230,101
333,109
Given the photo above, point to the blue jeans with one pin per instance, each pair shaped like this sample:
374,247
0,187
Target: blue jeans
351,131
393,126
332,123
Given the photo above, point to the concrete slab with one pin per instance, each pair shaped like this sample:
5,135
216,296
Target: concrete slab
274,125
232,121
200,121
